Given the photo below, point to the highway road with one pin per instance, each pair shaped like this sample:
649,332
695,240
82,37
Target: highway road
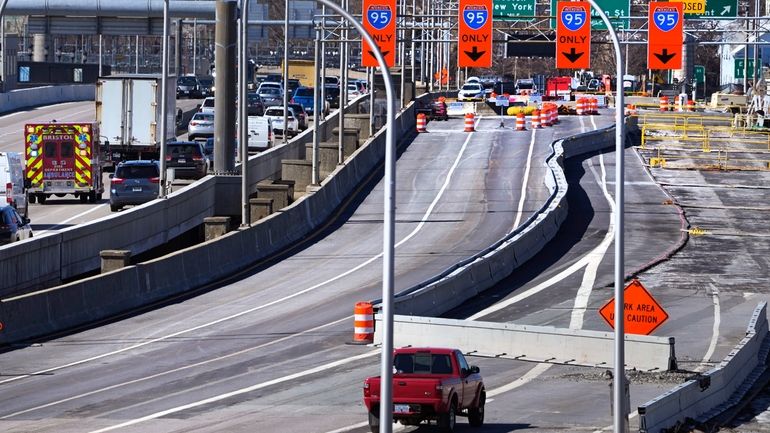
269,352
60,212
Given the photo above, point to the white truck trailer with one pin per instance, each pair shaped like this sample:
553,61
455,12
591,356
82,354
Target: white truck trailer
128,110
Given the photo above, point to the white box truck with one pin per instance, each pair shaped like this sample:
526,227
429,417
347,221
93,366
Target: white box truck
128,110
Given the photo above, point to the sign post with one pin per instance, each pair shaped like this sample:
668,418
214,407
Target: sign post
502,102
474,34
664,46
573,35
641,312
380,23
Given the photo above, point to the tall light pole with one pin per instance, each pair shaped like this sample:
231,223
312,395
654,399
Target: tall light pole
286,74
164,102
243,114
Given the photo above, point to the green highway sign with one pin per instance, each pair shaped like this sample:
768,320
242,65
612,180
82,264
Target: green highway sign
739,68
720,9
513,10
614,9
700,74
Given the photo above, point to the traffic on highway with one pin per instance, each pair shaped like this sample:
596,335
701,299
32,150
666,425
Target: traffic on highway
382,215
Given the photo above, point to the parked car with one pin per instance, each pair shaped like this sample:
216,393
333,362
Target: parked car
299,112
275,115
270,96
208,105
304,96
332,96
187,86
12,181
187,159
255,106
353,91
471,92
133,183
201,126
206,86
13,227
429,384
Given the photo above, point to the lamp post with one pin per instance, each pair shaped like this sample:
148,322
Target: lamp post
243,114
164,102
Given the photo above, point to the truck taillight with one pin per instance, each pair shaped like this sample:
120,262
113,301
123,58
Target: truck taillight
367,391
439,388
9,192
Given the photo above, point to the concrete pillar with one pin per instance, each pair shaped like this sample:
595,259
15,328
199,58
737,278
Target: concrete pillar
177,69
39,49
278,193
215,227
224,57
298,170
114,259
260,208
349,139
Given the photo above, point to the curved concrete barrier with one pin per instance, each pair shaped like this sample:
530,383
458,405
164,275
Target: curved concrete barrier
36,314
23,98
718,389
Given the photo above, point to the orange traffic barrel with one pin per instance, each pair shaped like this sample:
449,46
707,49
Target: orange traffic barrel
580,106
363,323
593,106
469,122
536,119
664,103
545,116
421,122
690,105
521,122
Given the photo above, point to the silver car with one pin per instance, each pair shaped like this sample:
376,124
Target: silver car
201,126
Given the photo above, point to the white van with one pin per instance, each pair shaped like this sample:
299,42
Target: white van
260,133
12,181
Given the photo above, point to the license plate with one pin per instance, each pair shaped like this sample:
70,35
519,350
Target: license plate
137,189
401,408
182,160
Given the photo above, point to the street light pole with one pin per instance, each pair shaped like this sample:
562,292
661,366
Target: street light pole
243,113
164,102
286,74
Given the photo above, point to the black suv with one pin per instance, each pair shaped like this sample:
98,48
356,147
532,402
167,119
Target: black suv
187,159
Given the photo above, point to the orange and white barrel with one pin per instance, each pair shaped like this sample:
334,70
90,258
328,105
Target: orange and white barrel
521,122
363,323
469,122
536,119
545,116
690,105
664,103
580,106
421,122
593,106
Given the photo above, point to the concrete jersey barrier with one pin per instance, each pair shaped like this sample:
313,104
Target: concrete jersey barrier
530,343
47,95
718,389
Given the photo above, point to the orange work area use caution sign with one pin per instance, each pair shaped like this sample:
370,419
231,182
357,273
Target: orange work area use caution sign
664,44
380,23
573,35
474,34
641,312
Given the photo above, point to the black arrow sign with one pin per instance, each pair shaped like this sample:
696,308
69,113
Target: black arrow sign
572,56
665,56
384,53
475,54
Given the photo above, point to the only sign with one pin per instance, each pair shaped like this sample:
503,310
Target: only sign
475,16
379,16
665,18
573,18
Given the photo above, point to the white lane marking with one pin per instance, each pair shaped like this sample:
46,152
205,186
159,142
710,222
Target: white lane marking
595,258
424,218
523,197
175,370
245,390
705,362
63,223
529,376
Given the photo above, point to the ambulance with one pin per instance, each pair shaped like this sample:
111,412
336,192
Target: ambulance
62,159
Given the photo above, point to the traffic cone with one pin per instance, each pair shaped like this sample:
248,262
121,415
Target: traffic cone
421,122
363,323
521,122
469,122
545,116
664,103
690,105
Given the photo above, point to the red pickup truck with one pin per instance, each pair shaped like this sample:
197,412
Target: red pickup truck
429,384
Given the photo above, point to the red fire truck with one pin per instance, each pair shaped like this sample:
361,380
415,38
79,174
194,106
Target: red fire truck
63,158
